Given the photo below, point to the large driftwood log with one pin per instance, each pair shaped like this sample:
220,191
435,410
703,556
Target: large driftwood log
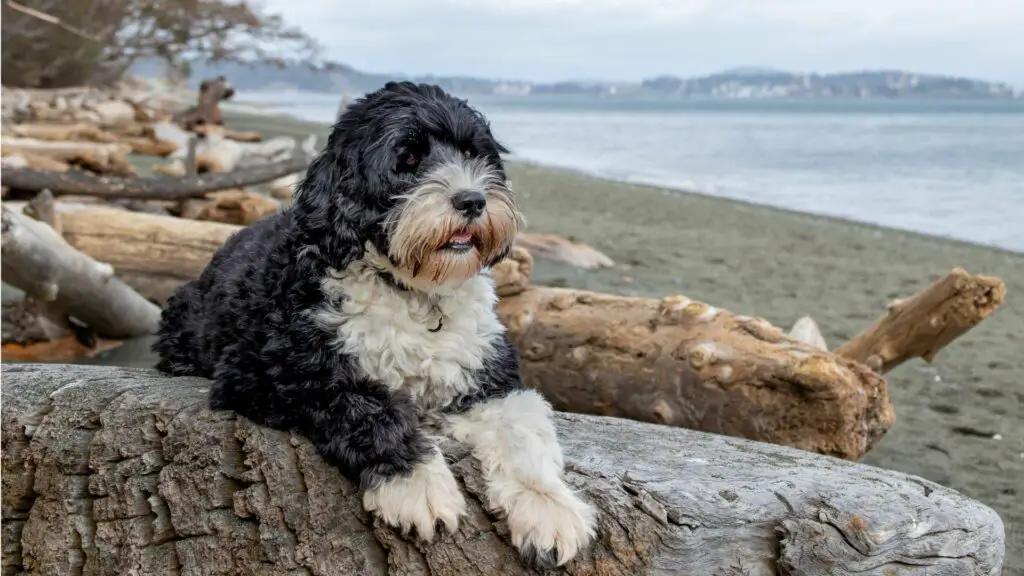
61,132
156,188
927,322
153,254
685,363
119,471
38,261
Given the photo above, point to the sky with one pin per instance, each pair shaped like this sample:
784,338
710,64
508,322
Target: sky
628,40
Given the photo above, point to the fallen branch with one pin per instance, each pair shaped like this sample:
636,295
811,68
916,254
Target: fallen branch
156,188
927,322
38,261
51,19
113,470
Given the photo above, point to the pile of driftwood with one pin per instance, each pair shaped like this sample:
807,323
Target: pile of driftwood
97,249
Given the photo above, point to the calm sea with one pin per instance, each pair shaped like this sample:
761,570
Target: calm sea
943,168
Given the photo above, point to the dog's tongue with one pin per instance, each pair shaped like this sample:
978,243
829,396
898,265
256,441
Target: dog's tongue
461,238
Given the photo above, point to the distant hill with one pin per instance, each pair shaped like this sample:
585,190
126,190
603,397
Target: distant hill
736,83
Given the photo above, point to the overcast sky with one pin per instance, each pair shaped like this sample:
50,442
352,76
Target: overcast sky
548,40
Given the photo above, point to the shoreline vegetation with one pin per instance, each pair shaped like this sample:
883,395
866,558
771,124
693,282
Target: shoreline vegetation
958,421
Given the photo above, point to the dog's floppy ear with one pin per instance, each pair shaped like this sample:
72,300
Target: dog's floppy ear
328,215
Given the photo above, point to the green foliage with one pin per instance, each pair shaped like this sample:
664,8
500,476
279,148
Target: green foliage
58,43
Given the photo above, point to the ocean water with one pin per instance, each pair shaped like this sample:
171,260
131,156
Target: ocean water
951,169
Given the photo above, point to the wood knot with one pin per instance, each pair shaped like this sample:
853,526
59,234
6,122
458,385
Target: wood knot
761,329
519,322
672,304
579,355
701,311
701,355
562,302
662,412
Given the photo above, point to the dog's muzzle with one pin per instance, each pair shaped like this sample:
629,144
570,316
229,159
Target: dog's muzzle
469,203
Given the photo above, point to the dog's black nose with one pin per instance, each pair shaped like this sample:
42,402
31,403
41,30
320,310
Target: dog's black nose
469,203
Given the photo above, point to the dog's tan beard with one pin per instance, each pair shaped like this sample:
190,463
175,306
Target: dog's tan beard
427,222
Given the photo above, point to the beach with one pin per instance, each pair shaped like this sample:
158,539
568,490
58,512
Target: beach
960,421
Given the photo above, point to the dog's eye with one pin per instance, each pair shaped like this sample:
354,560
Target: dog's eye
411,160
466,154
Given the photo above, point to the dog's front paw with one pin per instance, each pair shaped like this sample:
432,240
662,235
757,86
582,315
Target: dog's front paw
419,500
550,525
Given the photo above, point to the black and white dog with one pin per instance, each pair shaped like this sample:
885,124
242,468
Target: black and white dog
363,318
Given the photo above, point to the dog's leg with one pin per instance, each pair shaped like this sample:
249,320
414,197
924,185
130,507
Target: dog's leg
420,499
357,425
514,439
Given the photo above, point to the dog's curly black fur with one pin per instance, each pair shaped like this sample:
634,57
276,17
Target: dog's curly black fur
409,194
248,321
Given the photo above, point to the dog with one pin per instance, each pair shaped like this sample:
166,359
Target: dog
363,318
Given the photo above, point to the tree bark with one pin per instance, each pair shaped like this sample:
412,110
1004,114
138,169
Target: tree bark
38,261
123,471
927,322
155,188
685,363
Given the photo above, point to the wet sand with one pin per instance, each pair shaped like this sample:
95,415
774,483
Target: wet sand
960,421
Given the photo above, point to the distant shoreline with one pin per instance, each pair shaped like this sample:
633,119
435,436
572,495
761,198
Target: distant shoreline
294,124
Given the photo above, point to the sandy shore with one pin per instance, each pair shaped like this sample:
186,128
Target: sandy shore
960,422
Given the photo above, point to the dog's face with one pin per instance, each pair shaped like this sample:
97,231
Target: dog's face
423,174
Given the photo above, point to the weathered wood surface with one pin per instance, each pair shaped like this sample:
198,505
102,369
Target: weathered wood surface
920,326
685,363
153,254
154,188
566,250
124,471
37,260
212,91
110,158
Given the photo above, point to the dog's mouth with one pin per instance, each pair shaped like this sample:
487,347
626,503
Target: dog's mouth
461,241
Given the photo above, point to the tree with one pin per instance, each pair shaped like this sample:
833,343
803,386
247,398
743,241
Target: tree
60,43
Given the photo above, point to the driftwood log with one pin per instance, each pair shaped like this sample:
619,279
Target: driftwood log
920,326
155,188
38,261
110,158
124,471
567,250
685,363
153,254
206,111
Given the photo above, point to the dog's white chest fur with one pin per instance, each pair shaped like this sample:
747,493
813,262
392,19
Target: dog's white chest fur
387,332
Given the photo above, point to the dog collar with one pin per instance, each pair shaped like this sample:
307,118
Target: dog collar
435,310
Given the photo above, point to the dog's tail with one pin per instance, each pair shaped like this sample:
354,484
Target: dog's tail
177,343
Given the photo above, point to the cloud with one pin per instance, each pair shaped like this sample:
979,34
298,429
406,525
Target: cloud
630,39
